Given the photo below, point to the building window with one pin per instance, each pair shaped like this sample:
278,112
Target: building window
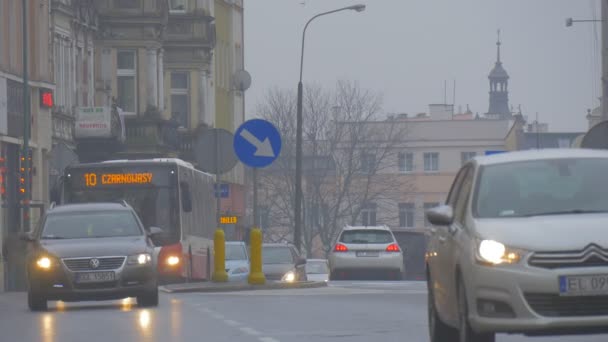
431,161
466,156
126,77
368,162
563,143
406,215
406,162
428,206
368,215
180,98
178,5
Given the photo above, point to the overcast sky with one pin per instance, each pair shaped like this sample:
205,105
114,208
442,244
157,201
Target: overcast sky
406,49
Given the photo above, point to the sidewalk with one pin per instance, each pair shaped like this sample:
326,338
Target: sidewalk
240,286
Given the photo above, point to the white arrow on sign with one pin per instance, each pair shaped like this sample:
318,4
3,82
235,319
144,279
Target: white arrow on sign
263,148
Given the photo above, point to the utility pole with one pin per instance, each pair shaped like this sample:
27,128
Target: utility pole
26,124
604,104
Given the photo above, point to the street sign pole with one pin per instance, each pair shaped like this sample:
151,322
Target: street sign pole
255,198
257,144
26,126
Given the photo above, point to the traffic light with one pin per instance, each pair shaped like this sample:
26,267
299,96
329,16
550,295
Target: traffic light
22,176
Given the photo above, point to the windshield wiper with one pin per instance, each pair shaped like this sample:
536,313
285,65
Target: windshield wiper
567,212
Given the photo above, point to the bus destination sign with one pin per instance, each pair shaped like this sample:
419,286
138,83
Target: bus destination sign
92,180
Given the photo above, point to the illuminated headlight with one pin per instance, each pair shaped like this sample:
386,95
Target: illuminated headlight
44,263
172,260
496,253
240,270
289,277
139,259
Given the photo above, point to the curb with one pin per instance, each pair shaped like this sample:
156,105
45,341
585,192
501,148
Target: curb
243,287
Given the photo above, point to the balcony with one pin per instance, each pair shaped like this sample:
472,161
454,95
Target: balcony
151,137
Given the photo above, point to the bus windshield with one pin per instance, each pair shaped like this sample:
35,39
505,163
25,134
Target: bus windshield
156,204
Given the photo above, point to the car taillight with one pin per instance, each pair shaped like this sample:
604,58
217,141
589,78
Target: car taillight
340,248
393,248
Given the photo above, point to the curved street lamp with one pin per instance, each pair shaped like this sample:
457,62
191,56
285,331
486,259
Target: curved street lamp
298,199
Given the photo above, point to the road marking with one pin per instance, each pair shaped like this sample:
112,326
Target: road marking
249,331
216,315
268,339
231,323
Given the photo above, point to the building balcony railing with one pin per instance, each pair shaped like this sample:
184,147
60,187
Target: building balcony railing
148,135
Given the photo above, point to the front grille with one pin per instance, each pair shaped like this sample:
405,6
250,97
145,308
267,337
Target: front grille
550,305
84,264
96,286
591,256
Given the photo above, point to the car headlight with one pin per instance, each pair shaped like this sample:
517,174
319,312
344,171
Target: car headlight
240,270
289,277
172,260
44,263
496,253
139,259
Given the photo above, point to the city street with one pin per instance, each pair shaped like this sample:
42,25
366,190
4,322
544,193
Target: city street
344,311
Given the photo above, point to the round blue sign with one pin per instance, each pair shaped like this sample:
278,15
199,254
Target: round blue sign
257,143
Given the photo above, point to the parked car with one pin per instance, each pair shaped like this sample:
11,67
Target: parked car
520,246
95,251
366,251
283,262
317,269
237,261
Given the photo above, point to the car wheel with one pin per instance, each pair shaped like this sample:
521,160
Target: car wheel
148,299
466,333
438,331
36,302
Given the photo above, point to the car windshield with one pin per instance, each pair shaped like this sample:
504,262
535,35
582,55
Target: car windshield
93,224
235,252
277,255
542,187
366,236
316,267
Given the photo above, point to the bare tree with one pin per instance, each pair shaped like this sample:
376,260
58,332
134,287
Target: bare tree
346,147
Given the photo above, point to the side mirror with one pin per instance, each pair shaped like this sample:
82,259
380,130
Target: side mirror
300,262
442,215
26,237
155,231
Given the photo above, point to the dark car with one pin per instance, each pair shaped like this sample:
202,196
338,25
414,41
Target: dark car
91,251
283,262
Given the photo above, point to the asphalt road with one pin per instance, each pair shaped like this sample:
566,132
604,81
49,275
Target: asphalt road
344,311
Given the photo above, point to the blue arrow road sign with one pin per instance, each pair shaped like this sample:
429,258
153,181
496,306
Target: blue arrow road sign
257,143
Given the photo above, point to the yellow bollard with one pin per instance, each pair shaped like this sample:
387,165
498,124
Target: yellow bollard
256,276
219,244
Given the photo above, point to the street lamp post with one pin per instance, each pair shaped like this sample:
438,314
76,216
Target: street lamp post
298,199
604,11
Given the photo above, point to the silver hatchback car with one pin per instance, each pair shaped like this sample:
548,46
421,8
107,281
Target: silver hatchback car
364,251
521,246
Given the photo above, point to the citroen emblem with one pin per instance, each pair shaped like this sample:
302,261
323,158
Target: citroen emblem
94,263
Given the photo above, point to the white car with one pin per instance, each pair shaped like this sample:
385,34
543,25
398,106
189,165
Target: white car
364,251
521,246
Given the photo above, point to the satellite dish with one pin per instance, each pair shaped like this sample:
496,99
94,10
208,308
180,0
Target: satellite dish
597,137
241,80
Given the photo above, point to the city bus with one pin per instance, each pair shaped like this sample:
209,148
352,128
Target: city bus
167,193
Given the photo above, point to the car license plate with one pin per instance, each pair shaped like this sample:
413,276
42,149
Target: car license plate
367,254
95,277
583,285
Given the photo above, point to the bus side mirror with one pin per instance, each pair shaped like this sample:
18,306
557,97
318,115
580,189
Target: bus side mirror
186,197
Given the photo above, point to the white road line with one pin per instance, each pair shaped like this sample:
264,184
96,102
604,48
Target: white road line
249,331
216,315
268,339
231,323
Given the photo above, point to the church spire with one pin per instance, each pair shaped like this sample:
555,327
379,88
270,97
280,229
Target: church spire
498,48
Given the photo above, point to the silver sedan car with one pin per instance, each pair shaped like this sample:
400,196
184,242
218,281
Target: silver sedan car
95,251
364,251
521,246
